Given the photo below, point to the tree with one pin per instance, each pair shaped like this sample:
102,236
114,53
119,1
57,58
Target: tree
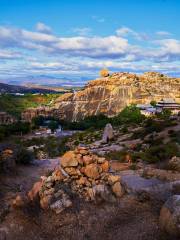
53,125
153,103
130,114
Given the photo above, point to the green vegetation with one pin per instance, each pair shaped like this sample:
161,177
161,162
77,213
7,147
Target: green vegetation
153,103
18,128
117,155
160,152
52,146
23,156
50,122
15,105
94,122
129,115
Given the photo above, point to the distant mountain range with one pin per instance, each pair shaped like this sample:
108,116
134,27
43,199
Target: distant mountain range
7,88
46,80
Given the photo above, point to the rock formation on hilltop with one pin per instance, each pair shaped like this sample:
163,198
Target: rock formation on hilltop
109,95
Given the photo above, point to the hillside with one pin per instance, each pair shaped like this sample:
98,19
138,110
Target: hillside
109,95
15,105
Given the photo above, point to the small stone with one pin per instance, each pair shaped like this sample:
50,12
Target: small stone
101,160
105,166
113,179
34,192
87,160
79,159
58,175
49,191
18,202
174,164
45,201
72,171
84,152
83,181
117,189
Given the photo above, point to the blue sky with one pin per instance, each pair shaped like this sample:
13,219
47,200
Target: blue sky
69,41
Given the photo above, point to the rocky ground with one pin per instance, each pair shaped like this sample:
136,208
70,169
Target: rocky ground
79,200
127,218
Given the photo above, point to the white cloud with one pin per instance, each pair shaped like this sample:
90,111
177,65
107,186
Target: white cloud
125,31
8,55
43,28
163,34
52,54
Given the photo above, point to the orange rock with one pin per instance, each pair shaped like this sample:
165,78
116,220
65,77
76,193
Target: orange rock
72,171
32,195
117,189
69,159
92,171
113,178
58,175
18,202
79,159
87,159
82,170
105,166
83,181
45,202
83,152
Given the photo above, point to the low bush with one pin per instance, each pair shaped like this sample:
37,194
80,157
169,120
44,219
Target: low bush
23,156
117,155
159,153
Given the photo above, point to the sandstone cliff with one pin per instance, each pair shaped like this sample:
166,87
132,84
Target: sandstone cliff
109,95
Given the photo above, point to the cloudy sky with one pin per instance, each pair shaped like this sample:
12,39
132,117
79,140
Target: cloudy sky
69,41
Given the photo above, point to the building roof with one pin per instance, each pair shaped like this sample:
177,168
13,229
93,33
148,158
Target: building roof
167,100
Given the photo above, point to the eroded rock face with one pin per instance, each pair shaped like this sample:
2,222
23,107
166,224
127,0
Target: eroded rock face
109,95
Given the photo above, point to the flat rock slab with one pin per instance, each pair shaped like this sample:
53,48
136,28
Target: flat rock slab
152,189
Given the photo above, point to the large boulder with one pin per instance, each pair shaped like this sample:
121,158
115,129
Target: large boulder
170,216
108,133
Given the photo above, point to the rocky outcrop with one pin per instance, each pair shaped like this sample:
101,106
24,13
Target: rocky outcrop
109,95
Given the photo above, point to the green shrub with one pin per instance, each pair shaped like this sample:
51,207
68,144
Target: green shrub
117,155
130,114
23,156
159,153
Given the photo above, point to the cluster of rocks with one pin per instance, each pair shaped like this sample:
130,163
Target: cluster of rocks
82,173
